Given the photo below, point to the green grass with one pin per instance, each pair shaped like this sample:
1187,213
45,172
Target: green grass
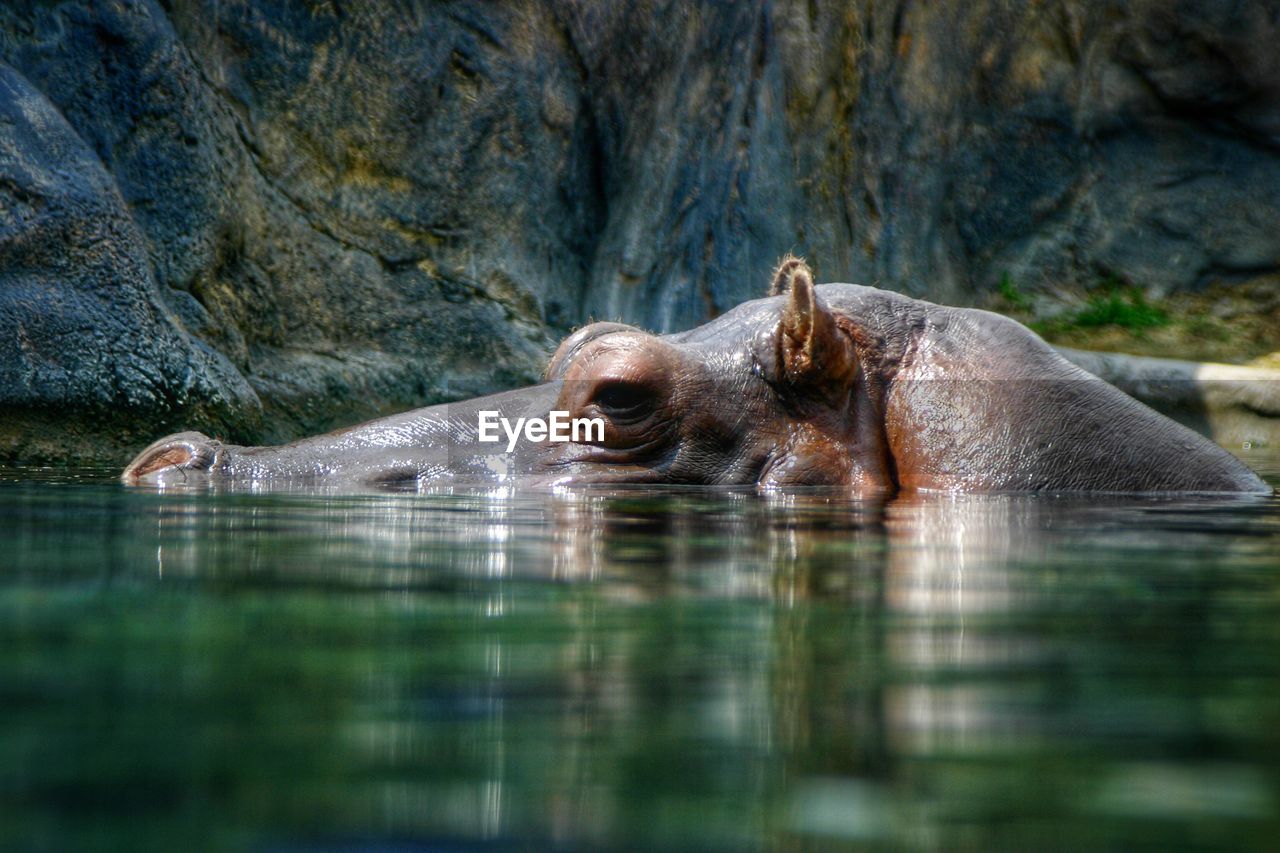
1010,293
1115,305
1128,309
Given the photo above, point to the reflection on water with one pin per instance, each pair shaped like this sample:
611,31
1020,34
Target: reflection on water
678,668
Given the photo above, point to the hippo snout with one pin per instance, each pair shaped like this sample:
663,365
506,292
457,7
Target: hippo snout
179,455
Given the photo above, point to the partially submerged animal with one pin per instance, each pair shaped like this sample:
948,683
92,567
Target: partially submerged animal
838,385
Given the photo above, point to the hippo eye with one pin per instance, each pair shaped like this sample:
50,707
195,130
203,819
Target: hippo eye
624,401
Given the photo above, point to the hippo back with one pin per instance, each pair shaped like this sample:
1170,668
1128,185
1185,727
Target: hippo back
974,400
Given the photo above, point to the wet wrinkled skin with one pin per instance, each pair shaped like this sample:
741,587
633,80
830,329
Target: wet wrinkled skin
838,385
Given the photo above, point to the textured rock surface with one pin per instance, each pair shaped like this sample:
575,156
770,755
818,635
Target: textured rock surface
89,345
263,218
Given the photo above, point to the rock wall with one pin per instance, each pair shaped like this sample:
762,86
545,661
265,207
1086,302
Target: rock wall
266,218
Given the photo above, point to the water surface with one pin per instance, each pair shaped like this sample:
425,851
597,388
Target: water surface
680,669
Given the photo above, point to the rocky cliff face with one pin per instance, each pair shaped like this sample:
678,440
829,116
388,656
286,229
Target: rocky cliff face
263,218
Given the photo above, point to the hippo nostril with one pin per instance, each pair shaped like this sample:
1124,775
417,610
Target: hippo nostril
188,451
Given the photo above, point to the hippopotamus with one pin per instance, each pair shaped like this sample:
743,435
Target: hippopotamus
837,385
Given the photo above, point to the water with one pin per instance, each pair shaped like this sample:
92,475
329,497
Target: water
676,669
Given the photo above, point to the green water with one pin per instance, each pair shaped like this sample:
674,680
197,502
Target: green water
679,670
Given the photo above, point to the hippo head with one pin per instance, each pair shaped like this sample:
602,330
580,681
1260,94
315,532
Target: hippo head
772,393
769,394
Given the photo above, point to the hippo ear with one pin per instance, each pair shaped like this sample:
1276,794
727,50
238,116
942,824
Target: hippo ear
789,266
812,350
